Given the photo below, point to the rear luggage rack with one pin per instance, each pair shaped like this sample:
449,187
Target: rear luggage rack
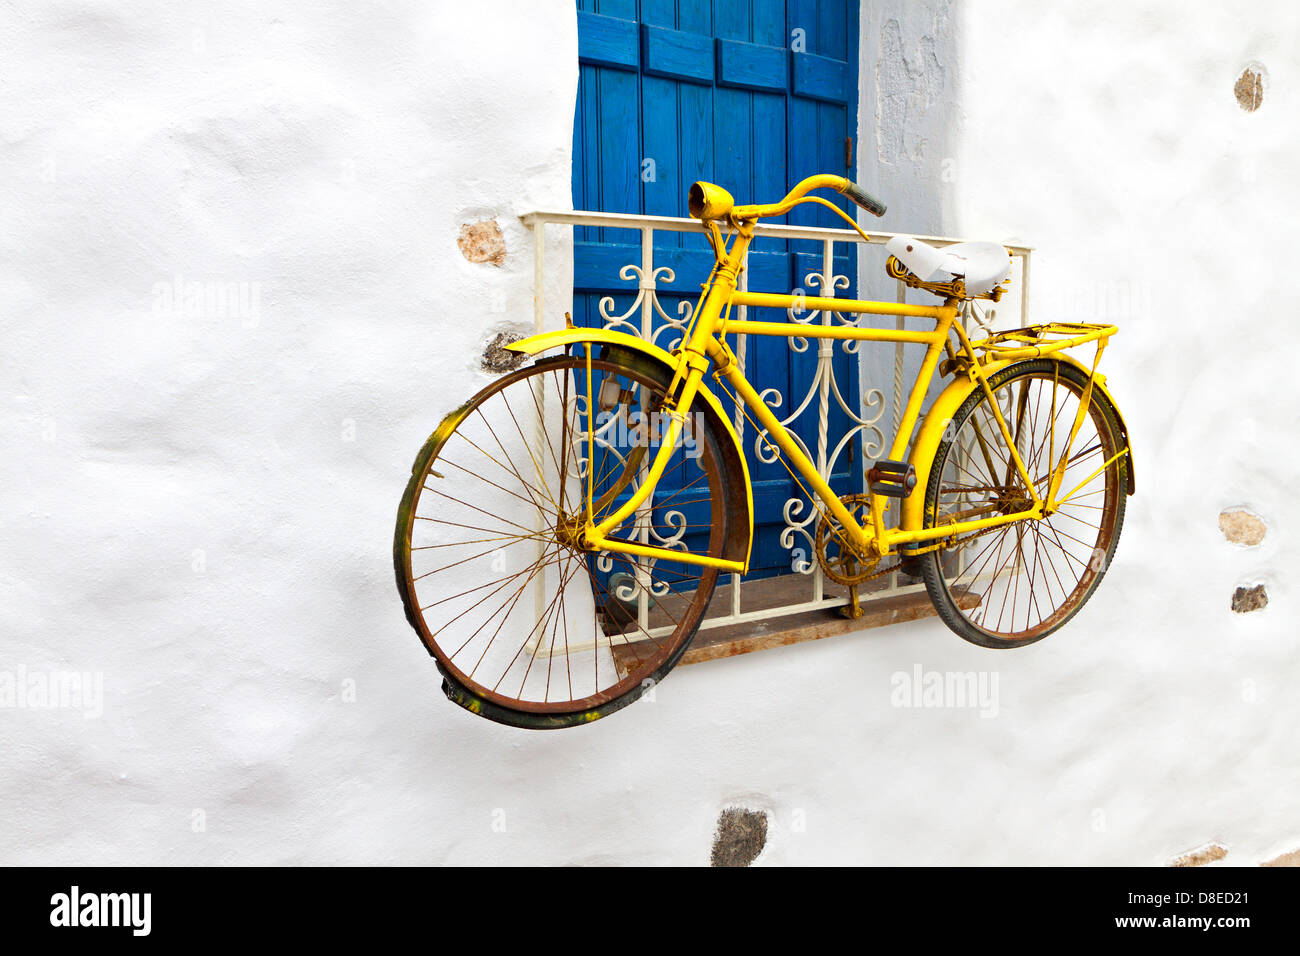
1042,339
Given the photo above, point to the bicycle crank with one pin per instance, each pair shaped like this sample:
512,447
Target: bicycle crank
835,552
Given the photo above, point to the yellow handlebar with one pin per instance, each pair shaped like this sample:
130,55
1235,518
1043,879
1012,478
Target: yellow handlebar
707,201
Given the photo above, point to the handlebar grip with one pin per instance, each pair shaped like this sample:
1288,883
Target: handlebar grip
863,198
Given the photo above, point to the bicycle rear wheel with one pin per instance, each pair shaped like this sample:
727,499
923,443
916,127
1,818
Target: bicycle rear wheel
1017,583
528,627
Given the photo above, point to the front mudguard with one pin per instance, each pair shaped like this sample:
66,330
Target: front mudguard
636,352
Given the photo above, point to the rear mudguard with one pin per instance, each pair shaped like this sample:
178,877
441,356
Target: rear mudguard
639,354
945,407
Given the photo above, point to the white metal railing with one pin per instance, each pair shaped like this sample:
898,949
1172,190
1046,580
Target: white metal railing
639,318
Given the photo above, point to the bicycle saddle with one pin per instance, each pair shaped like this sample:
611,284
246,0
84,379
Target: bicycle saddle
981,265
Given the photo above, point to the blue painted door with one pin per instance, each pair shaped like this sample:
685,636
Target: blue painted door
752,95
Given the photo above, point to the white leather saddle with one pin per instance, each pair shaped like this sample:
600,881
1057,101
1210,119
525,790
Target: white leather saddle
980,265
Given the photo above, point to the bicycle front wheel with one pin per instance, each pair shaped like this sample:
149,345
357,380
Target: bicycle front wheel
1017,583
529,627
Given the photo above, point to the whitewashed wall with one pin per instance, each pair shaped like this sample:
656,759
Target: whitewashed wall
200,491
1107,134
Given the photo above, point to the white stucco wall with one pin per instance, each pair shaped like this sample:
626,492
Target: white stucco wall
1107,135
199,506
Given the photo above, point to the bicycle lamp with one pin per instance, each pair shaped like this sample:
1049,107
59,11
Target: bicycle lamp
707,201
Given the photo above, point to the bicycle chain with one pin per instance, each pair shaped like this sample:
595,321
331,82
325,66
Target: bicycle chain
955,517
881,572
963,540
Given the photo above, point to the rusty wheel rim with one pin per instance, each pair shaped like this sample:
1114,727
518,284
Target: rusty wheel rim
511,469
1021,581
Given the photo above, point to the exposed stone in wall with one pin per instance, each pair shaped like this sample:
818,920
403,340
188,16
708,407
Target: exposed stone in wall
497,358
740,837
1202,856
1286,859
482,242
1249,599
1242,527
1249,89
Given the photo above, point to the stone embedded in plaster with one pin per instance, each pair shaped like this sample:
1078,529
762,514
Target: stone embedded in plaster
1249,599
1202,856
1249,88
497,358
1242,527
482,242
740,837
1286,859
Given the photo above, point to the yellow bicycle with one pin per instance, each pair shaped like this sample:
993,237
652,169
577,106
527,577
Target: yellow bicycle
562,532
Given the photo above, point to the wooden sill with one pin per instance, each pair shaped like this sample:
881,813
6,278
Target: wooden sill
732,639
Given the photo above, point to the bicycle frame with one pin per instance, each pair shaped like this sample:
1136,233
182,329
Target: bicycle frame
704,346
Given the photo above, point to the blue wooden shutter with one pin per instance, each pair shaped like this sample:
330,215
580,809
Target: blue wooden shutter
682,91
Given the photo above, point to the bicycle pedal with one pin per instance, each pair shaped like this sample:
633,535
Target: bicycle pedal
893,479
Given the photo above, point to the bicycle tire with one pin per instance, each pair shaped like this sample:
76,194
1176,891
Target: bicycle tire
684,602
937,567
